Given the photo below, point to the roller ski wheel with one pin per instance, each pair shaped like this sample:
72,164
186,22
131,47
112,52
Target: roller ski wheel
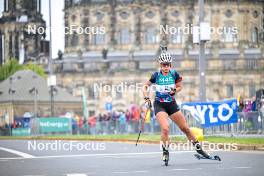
215,157
166,162
165,158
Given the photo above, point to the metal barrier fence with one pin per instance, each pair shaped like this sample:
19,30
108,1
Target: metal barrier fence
248,123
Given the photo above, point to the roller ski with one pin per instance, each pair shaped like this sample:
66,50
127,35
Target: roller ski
215,157
165,157
201,154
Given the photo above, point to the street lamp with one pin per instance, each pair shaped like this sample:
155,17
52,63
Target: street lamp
35,91
11,92
202,86
51,84
52,78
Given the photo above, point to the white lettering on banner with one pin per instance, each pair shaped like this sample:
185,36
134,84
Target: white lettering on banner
193,111
220,112
199,111
211,114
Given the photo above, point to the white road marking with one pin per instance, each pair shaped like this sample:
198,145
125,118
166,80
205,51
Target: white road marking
127,172
242,167
184,169
125,157
143,171
180,169
14,158
238,167
79,174
112,157
120,172
24,155
98,154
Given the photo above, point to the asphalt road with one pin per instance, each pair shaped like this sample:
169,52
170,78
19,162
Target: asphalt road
78,158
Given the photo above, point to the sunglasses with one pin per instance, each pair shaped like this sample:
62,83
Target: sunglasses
166,64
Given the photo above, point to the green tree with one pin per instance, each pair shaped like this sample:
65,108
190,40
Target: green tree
9,68
35,68
12,66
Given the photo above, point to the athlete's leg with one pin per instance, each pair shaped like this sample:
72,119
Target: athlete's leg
162,118
179,119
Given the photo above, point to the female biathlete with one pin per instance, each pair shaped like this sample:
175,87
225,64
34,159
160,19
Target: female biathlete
168,83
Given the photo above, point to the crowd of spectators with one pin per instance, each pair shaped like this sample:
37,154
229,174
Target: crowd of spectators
121,122
251,112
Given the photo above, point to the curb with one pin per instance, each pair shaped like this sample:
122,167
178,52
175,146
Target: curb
240,147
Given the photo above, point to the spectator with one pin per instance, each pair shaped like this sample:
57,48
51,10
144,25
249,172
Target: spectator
74,126
147,121
248,107
101,123
241,105
107,122
254,104
135,119
128,120
128,116
92,125
122,123
262,106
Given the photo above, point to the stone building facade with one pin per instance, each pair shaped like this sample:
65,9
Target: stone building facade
123,38
26,92
16,40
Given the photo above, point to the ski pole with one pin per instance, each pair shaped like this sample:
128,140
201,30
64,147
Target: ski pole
143,122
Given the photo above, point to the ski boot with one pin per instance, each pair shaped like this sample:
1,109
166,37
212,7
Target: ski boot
203,154
165,157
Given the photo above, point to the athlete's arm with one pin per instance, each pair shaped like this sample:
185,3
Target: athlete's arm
178,83
145,88
178,86
147,84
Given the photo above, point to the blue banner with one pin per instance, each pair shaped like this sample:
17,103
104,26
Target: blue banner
213,113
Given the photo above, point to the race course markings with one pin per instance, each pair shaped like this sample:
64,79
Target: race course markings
27,156
130,172
184,169
22,154
242,167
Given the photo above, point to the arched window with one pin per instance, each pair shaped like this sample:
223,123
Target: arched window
85,39
151,36
254,35
98,39
124,36
66,40
252,90
229,34
74,39
229,90
177,34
